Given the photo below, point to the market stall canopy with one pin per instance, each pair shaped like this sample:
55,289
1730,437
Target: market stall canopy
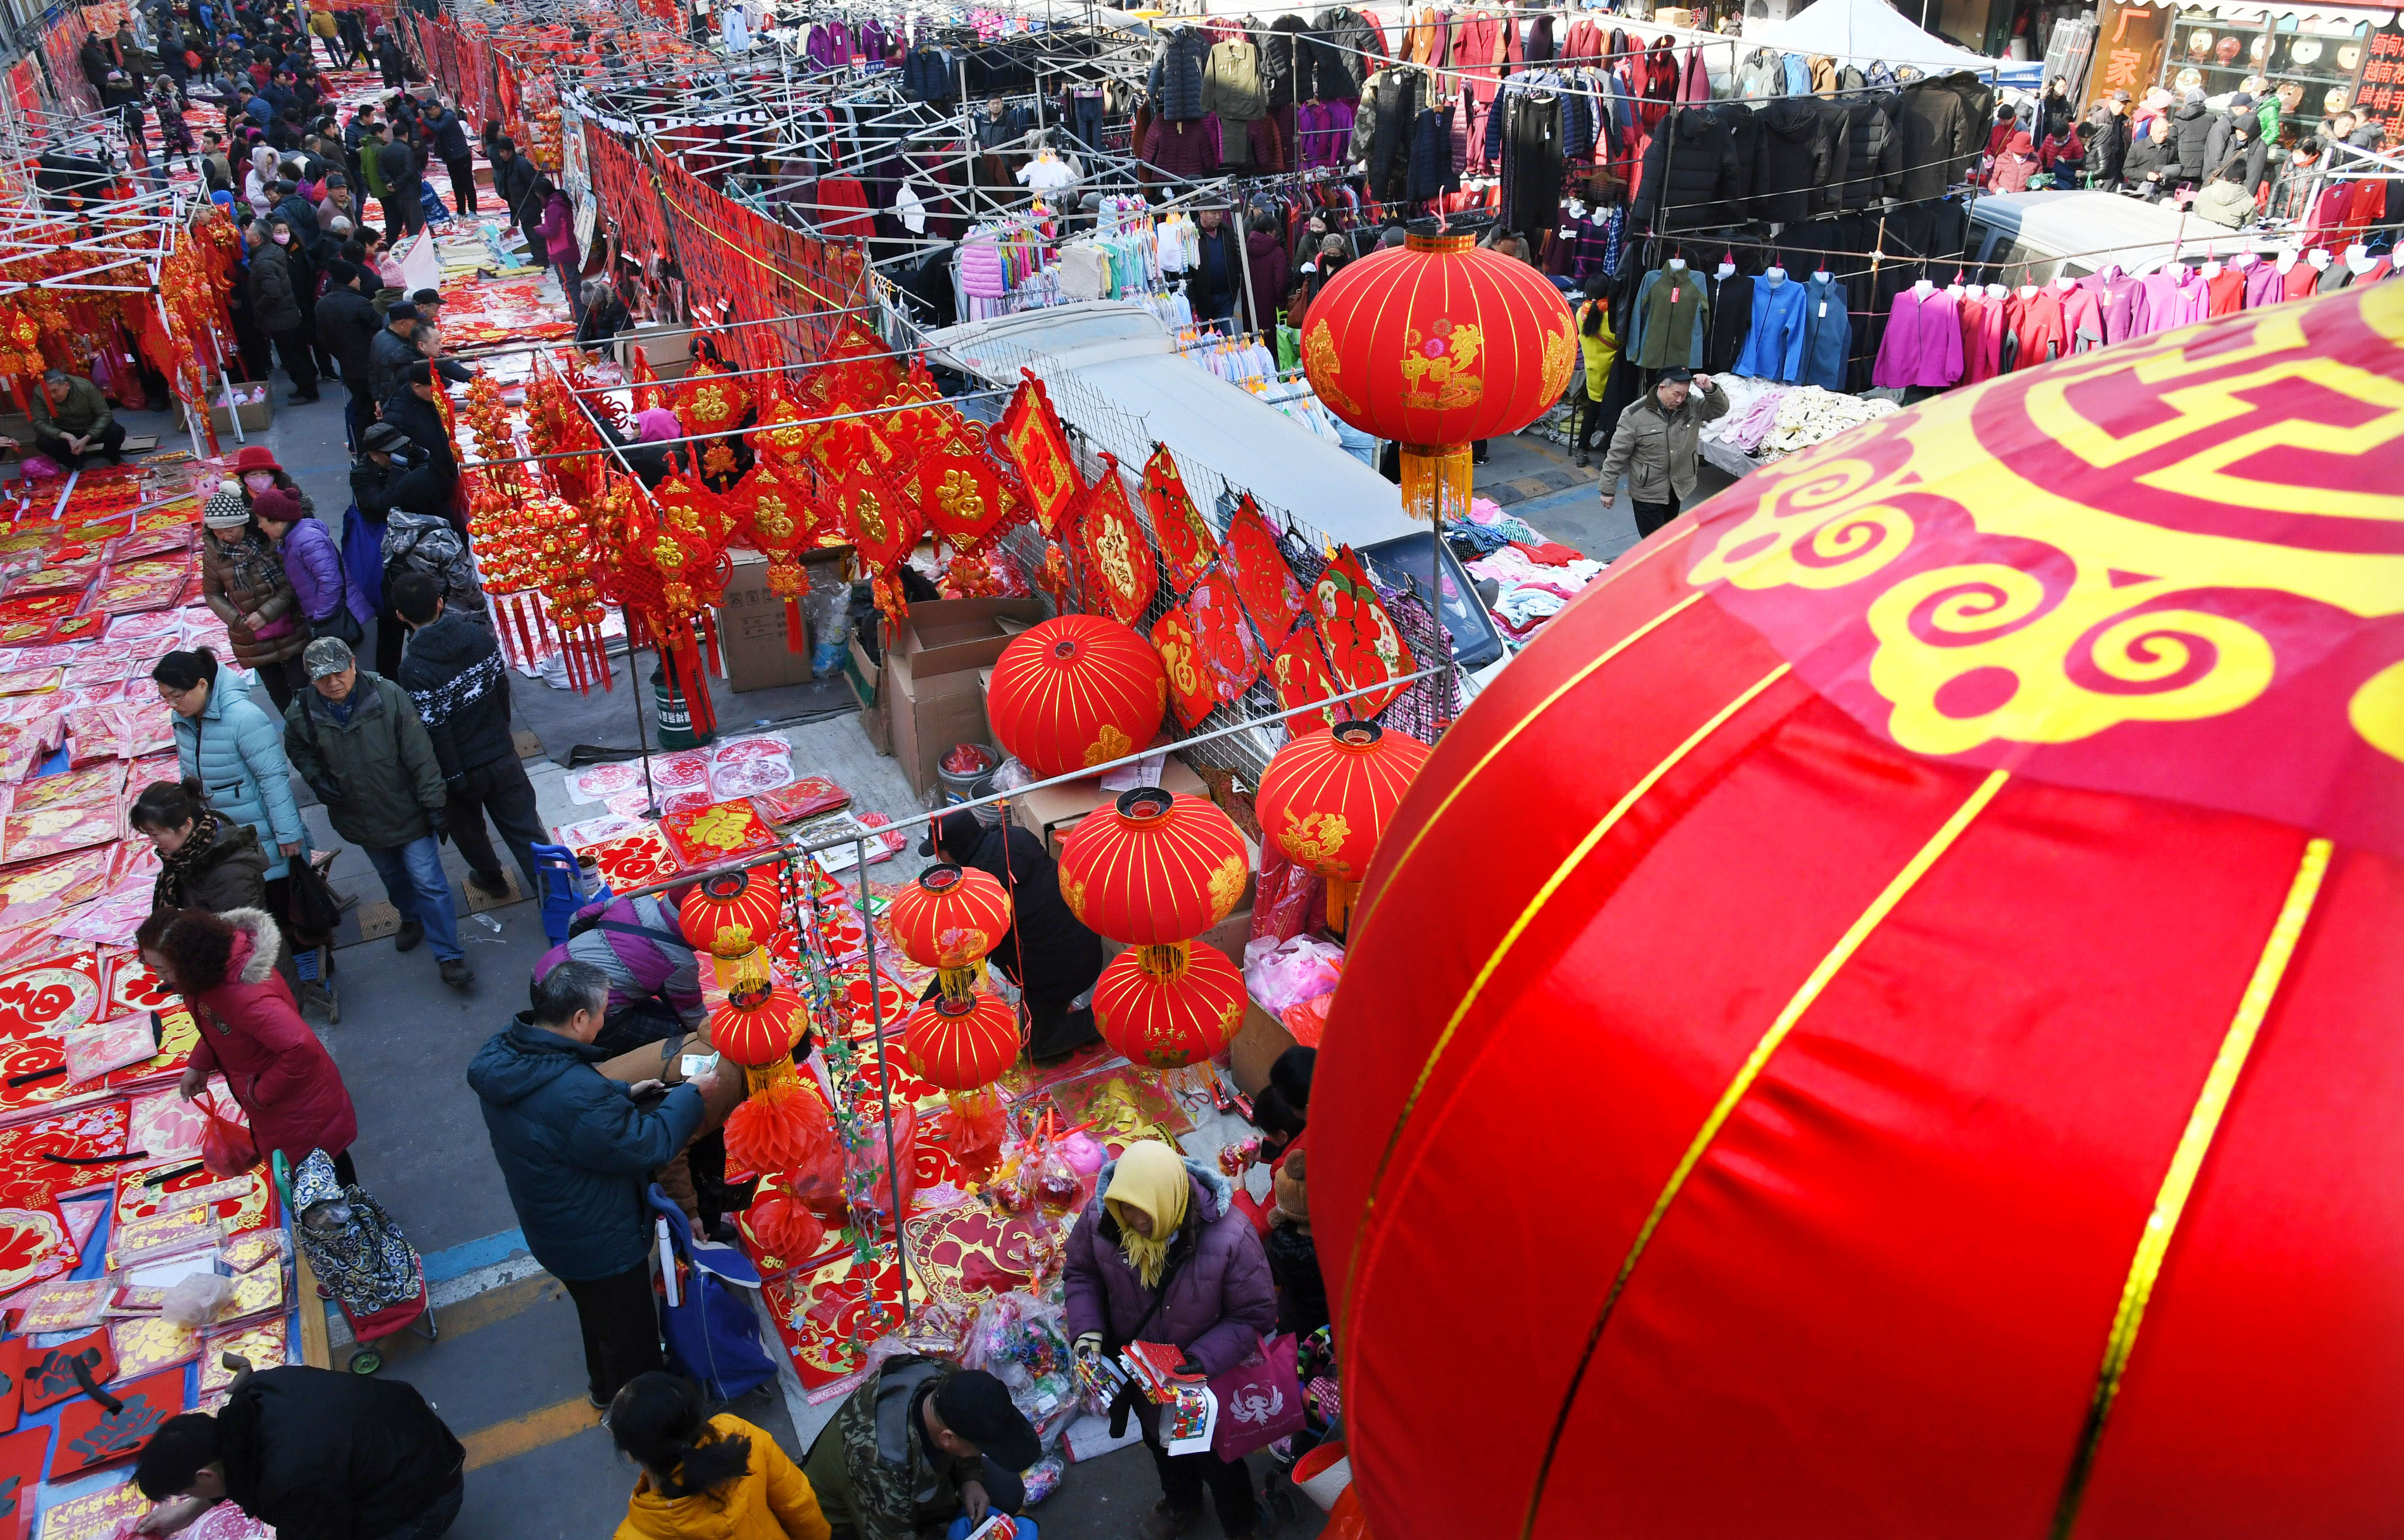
1863,31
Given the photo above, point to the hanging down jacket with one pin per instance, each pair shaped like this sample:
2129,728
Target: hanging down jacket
1175,83
1688,168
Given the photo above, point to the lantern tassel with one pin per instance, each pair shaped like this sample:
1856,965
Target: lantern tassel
1436,481
796,636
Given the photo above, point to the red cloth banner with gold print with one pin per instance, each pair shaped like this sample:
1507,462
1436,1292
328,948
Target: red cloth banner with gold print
1186,543
1261,574
960,489
1299,672
1362,644
882,522
1181,653
1114,560
1039,446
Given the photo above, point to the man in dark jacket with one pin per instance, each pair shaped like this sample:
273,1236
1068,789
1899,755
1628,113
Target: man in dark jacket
449,133
391,351
346,328
356,740
275,301
410,409
1047,951
2109,150
513,180
577,1150
404,208
317,1455
2190,124
1219,277
451,669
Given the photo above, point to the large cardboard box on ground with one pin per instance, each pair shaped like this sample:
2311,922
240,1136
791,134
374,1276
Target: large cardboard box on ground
751,628
1049,812
931,677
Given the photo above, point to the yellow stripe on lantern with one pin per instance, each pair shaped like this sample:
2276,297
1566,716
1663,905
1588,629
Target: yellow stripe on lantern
2186,1162
1718,719
1813,986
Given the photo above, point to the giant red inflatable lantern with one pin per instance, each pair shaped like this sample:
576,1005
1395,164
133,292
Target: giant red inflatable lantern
1911,1045
1436,344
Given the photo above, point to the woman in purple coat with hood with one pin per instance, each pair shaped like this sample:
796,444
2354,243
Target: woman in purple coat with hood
1164,1256
314,563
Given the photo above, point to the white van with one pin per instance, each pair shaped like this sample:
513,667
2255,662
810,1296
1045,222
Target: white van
2034,237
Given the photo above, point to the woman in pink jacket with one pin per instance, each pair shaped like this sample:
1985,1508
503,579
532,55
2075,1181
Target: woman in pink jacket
557,233
224,966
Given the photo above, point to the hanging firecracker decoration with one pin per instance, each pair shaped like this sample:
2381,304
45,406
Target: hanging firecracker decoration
1437,345
1326,797
1169,1006
1074,693
1154,867
949,918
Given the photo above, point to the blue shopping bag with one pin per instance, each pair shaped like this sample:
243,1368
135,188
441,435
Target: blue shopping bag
712,1331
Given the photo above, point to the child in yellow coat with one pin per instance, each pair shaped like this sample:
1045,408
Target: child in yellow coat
705,1478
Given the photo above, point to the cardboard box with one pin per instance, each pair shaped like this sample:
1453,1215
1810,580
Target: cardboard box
930,684
1050,812
950,636
667,349
867,676
752,632
1257,1044
928,716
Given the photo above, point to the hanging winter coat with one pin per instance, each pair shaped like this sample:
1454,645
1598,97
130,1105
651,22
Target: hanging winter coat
1835,127
1282,61
1931,132
1792,161
1175,83
1688,168
1744,149
1873,151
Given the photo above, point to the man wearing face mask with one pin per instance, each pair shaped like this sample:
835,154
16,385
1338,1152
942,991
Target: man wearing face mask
72,418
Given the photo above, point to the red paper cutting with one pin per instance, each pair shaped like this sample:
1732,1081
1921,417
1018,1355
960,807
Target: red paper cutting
806,797
1113,558
12,1390
50,999
91,1437
1261,575
1187,545
634,860
1181,653
34,1246
1299,672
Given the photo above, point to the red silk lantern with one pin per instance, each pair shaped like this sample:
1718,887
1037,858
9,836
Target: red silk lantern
1075,691
961,1044
1154,867
1327,796
948,919
733,916
1167,1007
756,1028
1959,869
1437,343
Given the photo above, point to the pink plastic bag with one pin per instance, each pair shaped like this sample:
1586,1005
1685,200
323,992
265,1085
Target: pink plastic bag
41,468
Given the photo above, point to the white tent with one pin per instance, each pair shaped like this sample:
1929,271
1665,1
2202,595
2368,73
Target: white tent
1861,32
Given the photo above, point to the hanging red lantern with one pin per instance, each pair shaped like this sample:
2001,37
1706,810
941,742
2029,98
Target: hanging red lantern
962,1044
1171,1006
1327,796
1436,344
1076,691
733,916
1957,873
948,919
756,1027
1154,867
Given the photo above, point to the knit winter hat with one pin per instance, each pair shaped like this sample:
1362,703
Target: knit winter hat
277,507
224,510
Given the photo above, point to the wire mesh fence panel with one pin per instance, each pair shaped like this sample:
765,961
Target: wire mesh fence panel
1423,710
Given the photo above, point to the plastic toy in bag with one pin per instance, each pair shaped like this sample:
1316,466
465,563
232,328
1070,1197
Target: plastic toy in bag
866,1181
1287,973
1058,1186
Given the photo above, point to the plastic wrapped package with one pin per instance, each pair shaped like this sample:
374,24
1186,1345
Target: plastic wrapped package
827,608
1023,1341
1284,974
1285,897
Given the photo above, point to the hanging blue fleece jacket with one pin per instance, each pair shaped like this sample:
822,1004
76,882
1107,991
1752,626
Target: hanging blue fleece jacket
1773,350
1827,333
